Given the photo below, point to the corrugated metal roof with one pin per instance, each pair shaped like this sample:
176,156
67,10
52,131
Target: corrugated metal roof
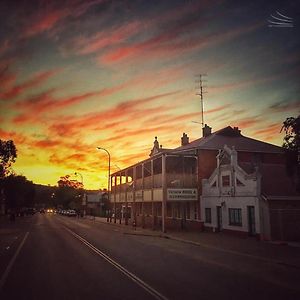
231,137
226,136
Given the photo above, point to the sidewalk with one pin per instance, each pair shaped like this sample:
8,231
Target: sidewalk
281,253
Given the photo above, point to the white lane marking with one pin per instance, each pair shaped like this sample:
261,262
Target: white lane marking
82,225
75,223
130,275
12,261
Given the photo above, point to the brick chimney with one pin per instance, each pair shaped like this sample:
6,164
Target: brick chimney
184,139
237,130
206,131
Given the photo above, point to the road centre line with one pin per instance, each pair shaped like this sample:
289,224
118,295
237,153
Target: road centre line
204,245
12,261
130,275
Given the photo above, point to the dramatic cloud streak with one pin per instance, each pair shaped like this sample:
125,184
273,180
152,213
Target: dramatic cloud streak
35,81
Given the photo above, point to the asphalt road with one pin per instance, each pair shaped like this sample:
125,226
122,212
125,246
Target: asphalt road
56,257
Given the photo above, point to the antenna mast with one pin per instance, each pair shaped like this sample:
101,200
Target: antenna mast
200,93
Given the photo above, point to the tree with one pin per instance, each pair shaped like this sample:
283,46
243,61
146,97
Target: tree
291,144
66,181
45,196
69,192
18,191
8,155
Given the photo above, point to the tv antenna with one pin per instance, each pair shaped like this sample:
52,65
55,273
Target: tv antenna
200,92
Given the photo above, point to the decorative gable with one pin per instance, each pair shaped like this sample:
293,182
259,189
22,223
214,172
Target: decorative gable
229,179
239,183
155,148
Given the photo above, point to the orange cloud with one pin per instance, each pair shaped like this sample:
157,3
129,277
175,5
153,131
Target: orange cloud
18,138
7,79
273,129
47,143
173,43
72,125
49,15
37,80
46,102
69,161
247,122
121,33
45,21
105,39
220,108
188,117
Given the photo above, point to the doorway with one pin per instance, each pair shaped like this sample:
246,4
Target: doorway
219,218
251,220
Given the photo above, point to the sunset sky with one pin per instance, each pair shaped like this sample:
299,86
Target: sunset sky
76,75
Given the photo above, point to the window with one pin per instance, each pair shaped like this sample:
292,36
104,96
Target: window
207,215
176,211
226,180
188,211
235,216
195,211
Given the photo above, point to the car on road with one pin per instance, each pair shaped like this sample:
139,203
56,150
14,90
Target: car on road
30,211
72,213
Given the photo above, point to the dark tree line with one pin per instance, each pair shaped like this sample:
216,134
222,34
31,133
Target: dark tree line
16,191
69,193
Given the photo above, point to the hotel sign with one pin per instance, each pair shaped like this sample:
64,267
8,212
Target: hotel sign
182,194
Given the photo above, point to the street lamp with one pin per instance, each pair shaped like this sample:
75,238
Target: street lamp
84,198
77,173
108,180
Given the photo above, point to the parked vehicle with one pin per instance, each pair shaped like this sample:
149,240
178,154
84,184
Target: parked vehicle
30,211
72,213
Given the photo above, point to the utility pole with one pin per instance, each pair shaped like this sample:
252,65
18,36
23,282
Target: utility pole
200,93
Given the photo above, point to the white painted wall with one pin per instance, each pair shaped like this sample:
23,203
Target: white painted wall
233,196
226,203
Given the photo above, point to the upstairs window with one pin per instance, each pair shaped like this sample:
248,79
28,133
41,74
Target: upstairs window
226,180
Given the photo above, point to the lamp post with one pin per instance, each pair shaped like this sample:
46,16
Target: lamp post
108,180
83,202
